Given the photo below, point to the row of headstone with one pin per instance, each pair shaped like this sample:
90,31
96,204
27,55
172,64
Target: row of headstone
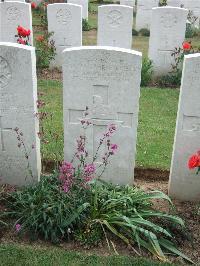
97,77
114,27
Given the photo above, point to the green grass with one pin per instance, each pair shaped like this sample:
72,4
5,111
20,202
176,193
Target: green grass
157,118
13,254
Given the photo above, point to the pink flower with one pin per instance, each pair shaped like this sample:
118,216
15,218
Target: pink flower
66,167
89,169
18,227
66,175
114,147
66,186
112,128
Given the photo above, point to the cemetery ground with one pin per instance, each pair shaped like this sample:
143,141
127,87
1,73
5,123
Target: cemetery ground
157,118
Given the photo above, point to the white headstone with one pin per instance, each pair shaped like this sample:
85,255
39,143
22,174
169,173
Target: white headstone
12,15
107,80
167,32
18,96
144,13
177,3
192,5
128,3
23,1
84,4
184,183
115,26
65,21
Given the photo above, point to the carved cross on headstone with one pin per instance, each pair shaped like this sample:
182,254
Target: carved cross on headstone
2,130
196,126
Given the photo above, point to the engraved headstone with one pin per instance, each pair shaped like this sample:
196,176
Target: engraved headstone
84,4
144,13
115,26
18,96
13,14
167,32
65,21
107,80
184,183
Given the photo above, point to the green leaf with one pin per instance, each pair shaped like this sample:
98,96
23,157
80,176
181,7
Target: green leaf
169,245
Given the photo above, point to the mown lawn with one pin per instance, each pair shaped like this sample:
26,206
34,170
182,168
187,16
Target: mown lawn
13,254
157,118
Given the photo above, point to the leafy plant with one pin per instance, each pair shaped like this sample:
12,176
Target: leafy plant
45,210
54,209
85,25
127,213
147,72
45,45
45,50
134,32
144,32
173,78
163,3
2,222
191,29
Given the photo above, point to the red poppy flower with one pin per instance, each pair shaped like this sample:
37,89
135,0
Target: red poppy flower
186,46
33,5
23,32
194,161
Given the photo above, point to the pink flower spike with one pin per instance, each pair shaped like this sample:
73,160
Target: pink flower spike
18,227
112,128
89,169
114,147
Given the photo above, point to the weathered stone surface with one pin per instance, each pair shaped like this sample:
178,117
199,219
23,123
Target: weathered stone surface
84,4
13,14
115,26
184,183
167,32
191,5
128,3
65,21
107,80
144,13
18,96
23,1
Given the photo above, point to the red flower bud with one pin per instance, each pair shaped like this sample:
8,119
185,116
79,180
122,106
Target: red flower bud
186,46
33,5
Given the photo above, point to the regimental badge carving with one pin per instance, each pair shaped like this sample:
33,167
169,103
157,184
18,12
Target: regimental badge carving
64,16
13,13
169,20
115,18
5,72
